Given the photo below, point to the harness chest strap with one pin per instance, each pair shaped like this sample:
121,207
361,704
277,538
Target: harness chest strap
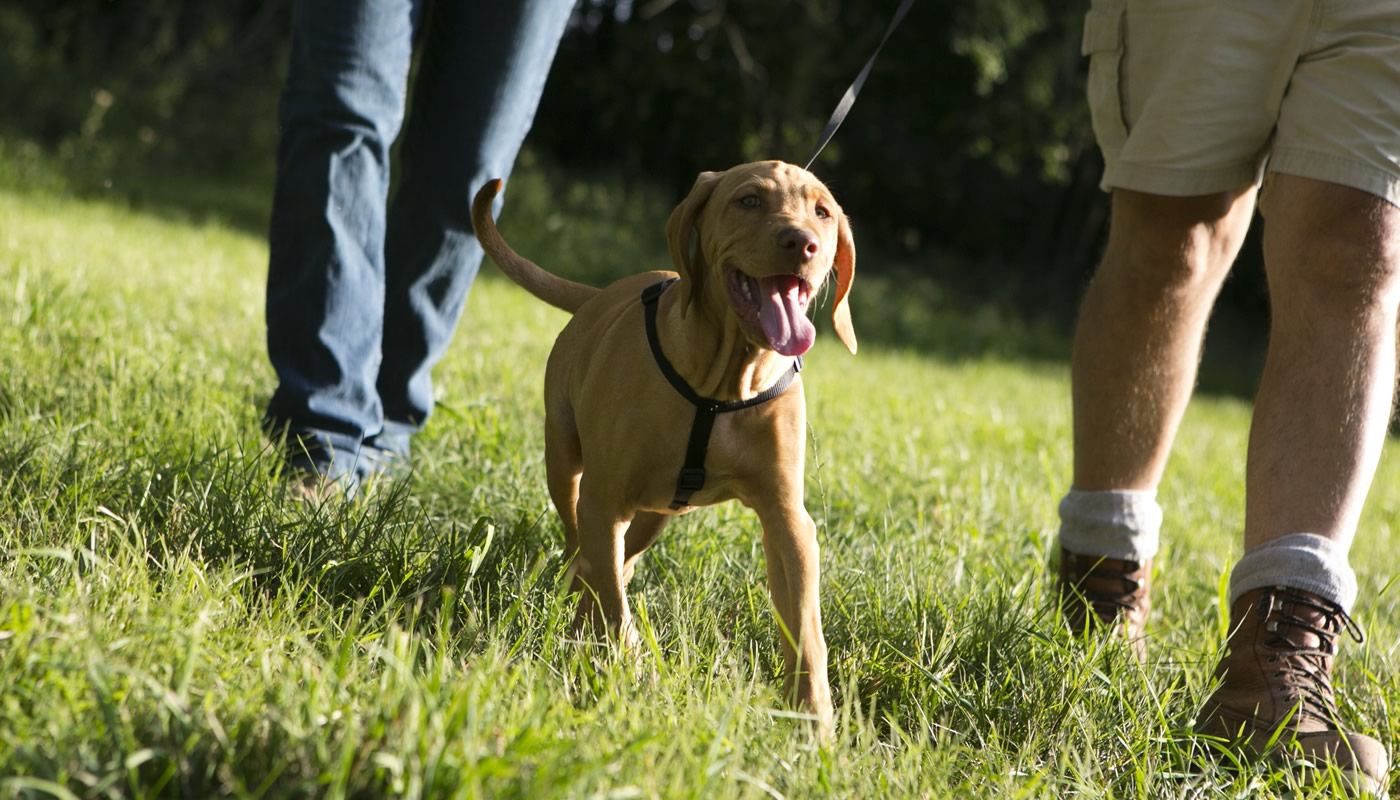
692,475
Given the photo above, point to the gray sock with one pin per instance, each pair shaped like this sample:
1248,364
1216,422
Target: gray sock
1299,561
1115,524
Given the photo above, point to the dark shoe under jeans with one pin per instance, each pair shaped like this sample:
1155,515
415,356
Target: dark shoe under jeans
318,470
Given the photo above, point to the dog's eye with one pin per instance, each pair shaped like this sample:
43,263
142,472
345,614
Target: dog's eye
822,213
749,201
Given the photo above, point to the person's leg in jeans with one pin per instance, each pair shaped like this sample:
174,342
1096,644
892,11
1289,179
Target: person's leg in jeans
341,109
354,311
482,72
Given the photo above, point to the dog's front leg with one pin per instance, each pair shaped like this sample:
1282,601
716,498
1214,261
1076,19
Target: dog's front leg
790,545
598,571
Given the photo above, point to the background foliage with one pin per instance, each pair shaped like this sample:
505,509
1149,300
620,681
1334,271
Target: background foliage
972,106
970,145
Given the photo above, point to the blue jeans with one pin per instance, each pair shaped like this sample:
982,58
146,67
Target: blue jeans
362,294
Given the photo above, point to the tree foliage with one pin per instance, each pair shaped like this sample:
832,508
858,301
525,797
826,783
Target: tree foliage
198,80
971,125
971,135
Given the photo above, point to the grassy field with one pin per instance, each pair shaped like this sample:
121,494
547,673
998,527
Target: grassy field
171,624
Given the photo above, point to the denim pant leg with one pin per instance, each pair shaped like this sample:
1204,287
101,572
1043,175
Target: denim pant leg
481,74
342,107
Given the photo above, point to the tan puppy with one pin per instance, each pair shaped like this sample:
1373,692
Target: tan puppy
752,245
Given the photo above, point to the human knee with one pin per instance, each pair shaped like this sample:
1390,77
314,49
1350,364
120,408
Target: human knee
1177,244
1331,244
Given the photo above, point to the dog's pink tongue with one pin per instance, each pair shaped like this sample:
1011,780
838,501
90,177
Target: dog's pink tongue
783,316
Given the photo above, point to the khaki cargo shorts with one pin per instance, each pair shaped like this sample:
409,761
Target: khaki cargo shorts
1193,97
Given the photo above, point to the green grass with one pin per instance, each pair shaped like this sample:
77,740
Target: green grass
172,625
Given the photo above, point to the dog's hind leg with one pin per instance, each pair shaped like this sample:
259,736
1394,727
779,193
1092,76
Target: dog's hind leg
645,529
598,568
563,461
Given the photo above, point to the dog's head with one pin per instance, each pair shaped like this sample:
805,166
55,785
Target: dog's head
759,240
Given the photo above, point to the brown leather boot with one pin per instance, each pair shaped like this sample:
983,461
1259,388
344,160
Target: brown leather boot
1278,673
1095,590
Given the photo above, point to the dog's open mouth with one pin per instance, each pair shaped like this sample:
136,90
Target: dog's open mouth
778,304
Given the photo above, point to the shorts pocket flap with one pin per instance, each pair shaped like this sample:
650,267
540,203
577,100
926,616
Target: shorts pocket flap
1103,30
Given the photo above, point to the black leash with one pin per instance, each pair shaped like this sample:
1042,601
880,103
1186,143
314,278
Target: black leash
692,477
844,107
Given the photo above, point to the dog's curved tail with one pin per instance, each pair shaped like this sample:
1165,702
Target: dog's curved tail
547,286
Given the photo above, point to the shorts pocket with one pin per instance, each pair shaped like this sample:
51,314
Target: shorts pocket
1103,44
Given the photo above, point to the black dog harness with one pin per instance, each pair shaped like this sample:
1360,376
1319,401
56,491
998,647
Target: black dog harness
692,477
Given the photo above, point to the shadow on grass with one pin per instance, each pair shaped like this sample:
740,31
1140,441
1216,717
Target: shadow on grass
236,195
385,547
233,509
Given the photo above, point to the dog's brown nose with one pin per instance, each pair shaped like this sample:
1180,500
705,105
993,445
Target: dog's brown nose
800,242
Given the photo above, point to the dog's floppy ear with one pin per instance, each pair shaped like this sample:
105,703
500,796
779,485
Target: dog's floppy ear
680,231
845,266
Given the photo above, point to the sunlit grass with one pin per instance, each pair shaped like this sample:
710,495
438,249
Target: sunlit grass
171,624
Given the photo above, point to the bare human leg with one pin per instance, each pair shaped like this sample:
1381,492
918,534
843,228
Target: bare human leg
1136,352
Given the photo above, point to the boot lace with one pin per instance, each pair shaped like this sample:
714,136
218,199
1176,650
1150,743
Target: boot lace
1305,670
1107,585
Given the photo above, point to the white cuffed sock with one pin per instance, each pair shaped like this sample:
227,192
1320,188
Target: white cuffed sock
1114,524
1299,561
